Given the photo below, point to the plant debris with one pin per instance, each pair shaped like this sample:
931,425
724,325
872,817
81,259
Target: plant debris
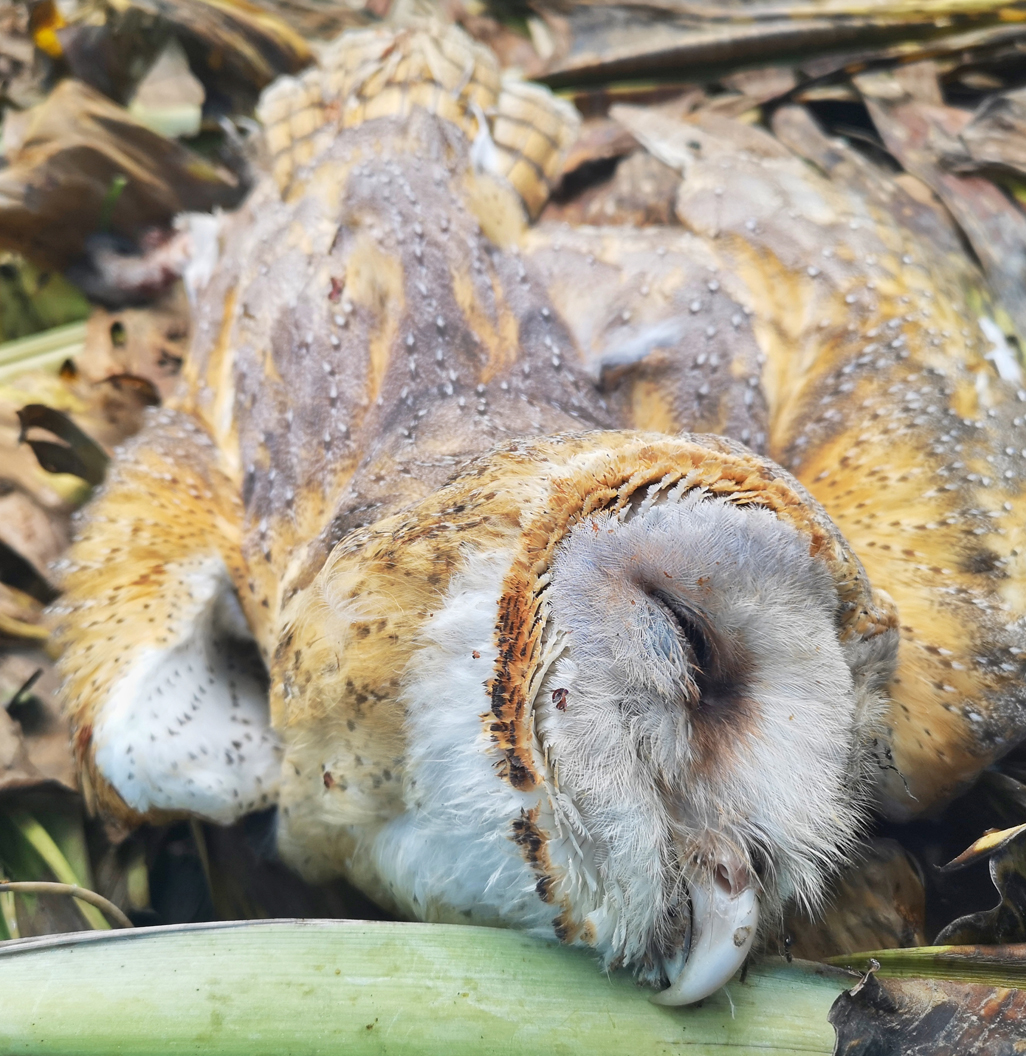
1006,922
929,1017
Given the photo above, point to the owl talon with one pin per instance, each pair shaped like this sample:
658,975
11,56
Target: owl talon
724,919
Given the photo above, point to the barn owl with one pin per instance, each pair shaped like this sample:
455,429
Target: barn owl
593,582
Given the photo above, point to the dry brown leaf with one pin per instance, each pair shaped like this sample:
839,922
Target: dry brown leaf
42,727
1006,922
29,530
763,84
21,78
910,200
19,469
106,412
35,742
21,616
148,342
78,148
996,135
602,40
600,139
234,47
236,37
74,451
929,1017
15,769
106,401
169,99
511,48
920,81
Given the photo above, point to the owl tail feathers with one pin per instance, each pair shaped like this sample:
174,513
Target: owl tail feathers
522,132
162,678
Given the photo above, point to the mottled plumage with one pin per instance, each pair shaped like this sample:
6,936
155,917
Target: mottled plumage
541,650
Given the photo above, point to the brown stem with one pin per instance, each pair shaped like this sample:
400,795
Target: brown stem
45,887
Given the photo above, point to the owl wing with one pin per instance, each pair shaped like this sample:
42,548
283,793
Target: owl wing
658,332
163,679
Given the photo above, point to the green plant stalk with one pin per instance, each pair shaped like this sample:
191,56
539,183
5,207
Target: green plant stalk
49,887
998,966
43,844
18,861
46,350
8,915
264,988
67,829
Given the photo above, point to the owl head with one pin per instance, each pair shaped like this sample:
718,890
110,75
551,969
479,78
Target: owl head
623,688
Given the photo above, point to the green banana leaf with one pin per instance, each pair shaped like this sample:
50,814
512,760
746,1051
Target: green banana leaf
318,987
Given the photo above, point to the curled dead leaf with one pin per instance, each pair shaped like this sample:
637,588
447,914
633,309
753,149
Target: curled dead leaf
1006,922
34,737
78,455
78,148
995,137
929,1017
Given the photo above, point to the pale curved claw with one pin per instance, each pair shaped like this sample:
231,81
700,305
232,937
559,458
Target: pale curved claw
724,919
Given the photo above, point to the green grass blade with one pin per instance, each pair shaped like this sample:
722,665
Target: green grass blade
18,861
48,349
991,965
8,914
67,828
265,988
45,846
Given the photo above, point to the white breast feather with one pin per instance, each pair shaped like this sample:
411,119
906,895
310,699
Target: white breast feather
450,856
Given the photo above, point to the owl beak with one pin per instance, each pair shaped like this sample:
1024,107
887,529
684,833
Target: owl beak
724,918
